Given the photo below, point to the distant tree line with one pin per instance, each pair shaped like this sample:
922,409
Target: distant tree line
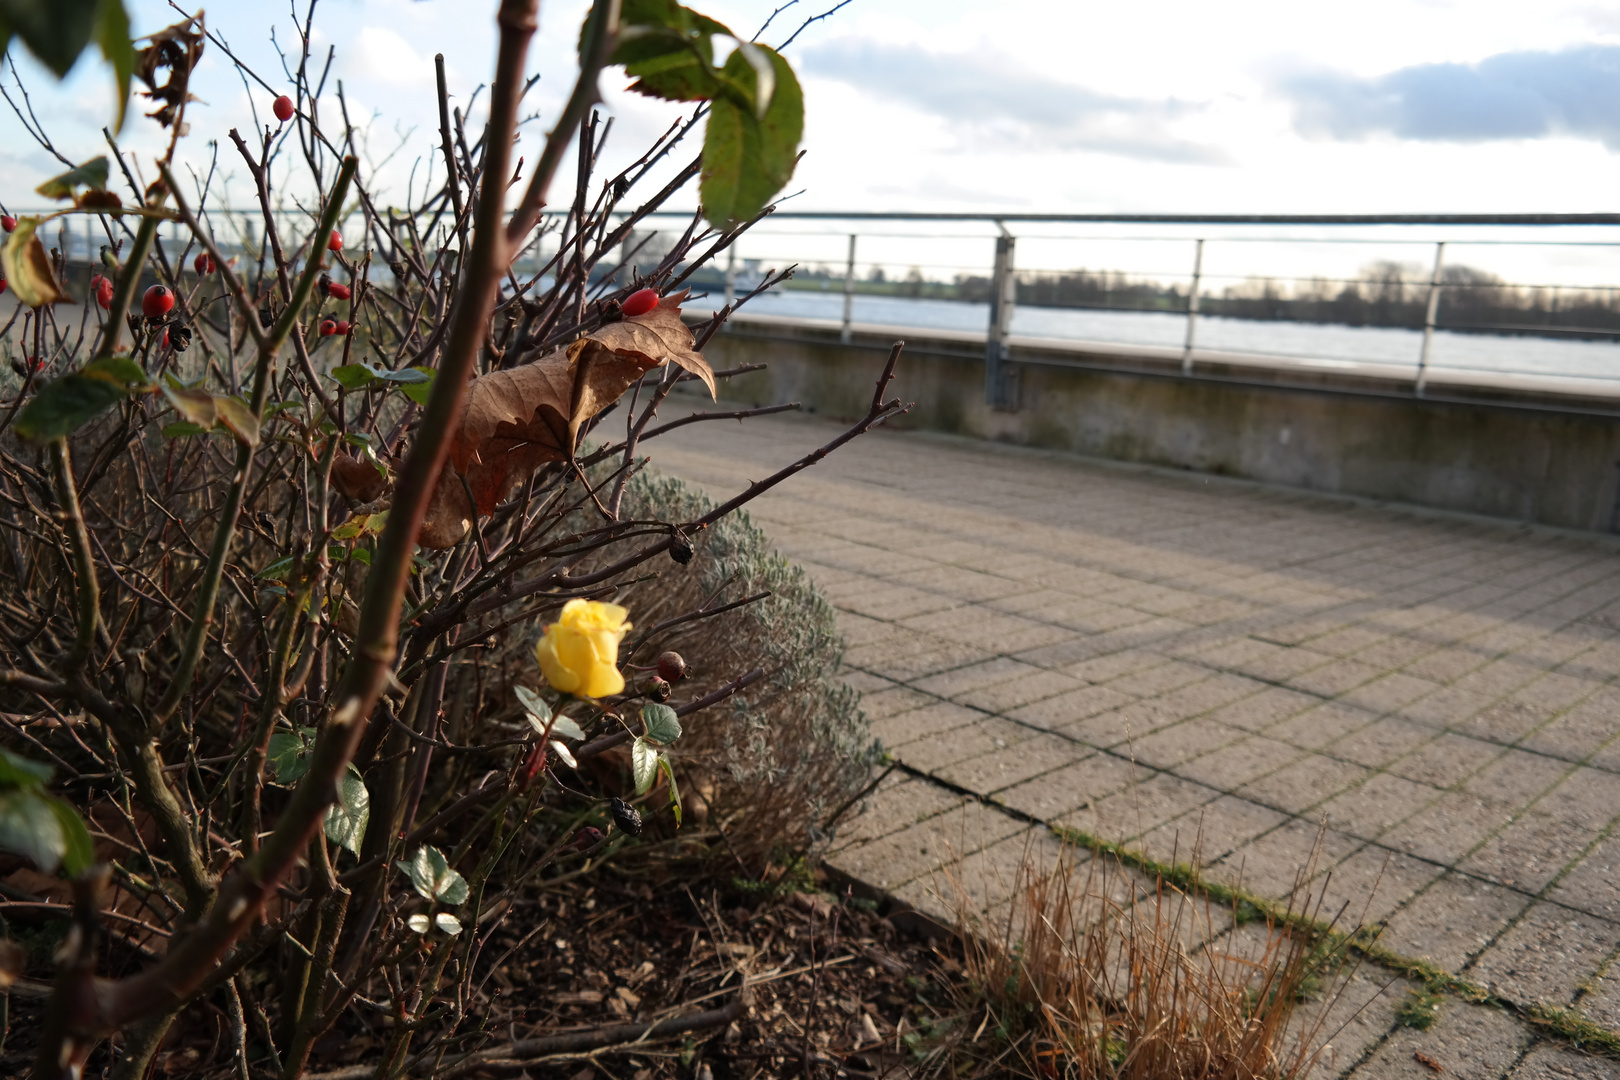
1384,294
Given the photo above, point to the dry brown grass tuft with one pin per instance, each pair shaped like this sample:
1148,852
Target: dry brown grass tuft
1094,972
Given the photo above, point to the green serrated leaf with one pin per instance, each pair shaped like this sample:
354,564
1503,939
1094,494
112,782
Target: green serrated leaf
764,76
643,764
660,723
419,392
354,376
92,174
19,772
346,819
78,850
432,877
747,160
64,406
30,827
276,571
668,770
237,415
289,755
28,270
535,705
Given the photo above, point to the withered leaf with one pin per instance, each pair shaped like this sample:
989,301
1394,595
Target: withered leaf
517,420
359,480
660,335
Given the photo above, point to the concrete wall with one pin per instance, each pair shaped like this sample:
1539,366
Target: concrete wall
1550,459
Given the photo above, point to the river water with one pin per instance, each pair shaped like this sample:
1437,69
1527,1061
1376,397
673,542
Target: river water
1489,353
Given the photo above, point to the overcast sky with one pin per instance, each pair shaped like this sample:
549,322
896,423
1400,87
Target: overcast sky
1014,105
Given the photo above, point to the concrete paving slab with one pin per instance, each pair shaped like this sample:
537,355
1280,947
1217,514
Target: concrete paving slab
1443,691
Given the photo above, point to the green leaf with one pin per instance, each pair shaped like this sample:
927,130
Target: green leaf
407,376
419,392
112,34
78,851
668,770
92,174
276,571
181,429
764,76
346,819
661,723
19,772
28,270
747,160
198,406
289,755
535,705
55,31
354,376
64,406
430,873
237,415
116,369
447,923
643,764
29,826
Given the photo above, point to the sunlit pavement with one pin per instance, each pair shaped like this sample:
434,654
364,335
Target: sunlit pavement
1422,702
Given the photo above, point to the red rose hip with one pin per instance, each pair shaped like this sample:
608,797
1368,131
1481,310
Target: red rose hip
640,302
338,292
283,108
342,328
328,327
203,264
8,222
158,302
104,292
335,242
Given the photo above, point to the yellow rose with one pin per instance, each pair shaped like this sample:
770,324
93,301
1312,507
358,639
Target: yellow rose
579,653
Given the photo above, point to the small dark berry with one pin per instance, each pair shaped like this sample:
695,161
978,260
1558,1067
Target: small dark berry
179,337
626,817
267,318
588,837
658,689
671,667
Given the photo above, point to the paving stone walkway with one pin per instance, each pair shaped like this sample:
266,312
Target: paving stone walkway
1430,703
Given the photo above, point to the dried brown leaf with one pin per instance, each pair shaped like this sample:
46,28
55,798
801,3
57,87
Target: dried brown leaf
660,336
516,420
359,480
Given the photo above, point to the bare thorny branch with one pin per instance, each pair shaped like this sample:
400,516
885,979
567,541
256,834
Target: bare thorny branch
175,608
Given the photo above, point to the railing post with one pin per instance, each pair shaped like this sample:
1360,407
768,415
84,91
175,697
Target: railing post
1428,317
731,275
1000,382
1192,308
849,293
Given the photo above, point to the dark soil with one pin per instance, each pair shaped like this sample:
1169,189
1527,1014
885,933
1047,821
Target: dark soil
832,990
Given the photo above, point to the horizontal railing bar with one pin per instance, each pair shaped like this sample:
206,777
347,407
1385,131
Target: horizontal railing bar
1194,219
